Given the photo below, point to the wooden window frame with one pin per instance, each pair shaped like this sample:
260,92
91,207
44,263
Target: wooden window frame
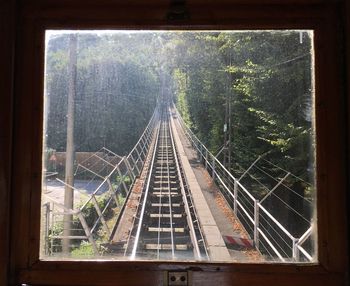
33,17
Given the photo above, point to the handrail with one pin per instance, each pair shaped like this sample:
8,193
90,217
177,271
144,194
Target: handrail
276,222
103,182
143,143
137,236
214,164
209,153
154,115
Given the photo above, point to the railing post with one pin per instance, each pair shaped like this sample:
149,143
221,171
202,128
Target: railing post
100,215
141,153
256,224
206,159
296,252
87,232
213,169
47,227
128,167
135,164
53,222
113,193
122,177
193,143
235,194
148,136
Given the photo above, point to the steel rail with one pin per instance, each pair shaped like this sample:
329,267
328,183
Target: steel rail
161,192
137,237
127,198
187,208
160,197
169,189
165,165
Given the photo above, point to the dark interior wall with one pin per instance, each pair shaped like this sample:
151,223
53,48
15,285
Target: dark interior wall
347,68
8,16
7,37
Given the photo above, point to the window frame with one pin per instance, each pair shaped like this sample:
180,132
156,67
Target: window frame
36,16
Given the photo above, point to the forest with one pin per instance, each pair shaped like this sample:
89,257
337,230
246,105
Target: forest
116,90
244,94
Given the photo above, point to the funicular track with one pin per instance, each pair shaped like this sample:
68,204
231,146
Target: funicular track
159,217
166,225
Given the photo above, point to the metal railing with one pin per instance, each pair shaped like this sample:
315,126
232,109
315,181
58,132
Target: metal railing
270,237
94,219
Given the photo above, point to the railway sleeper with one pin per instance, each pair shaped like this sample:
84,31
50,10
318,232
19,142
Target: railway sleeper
164,161
177,219
173,205
165,158
180,239
160,194
166,215
166,229
155,225
161,172
164,185
166,177
166,199
162,182
170,168
179,247
165,189
165,237
166,210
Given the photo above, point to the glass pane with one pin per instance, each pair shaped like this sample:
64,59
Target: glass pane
179,146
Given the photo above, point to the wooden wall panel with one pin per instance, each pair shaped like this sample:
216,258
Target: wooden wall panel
6,80
152,3
347,54
137,14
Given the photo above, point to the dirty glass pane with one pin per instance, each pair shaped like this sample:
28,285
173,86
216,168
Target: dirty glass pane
179,146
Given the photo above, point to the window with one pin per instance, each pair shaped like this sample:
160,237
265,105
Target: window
330,176
128,92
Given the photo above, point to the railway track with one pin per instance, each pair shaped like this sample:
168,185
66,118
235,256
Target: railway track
166,226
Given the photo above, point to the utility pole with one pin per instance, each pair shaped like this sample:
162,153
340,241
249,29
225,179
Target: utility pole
225,130
229,116
69,179
227,127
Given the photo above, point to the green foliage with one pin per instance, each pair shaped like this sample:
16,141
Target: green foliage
266,78
55,244
261,83
90,214
180,95
85,249
125,179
